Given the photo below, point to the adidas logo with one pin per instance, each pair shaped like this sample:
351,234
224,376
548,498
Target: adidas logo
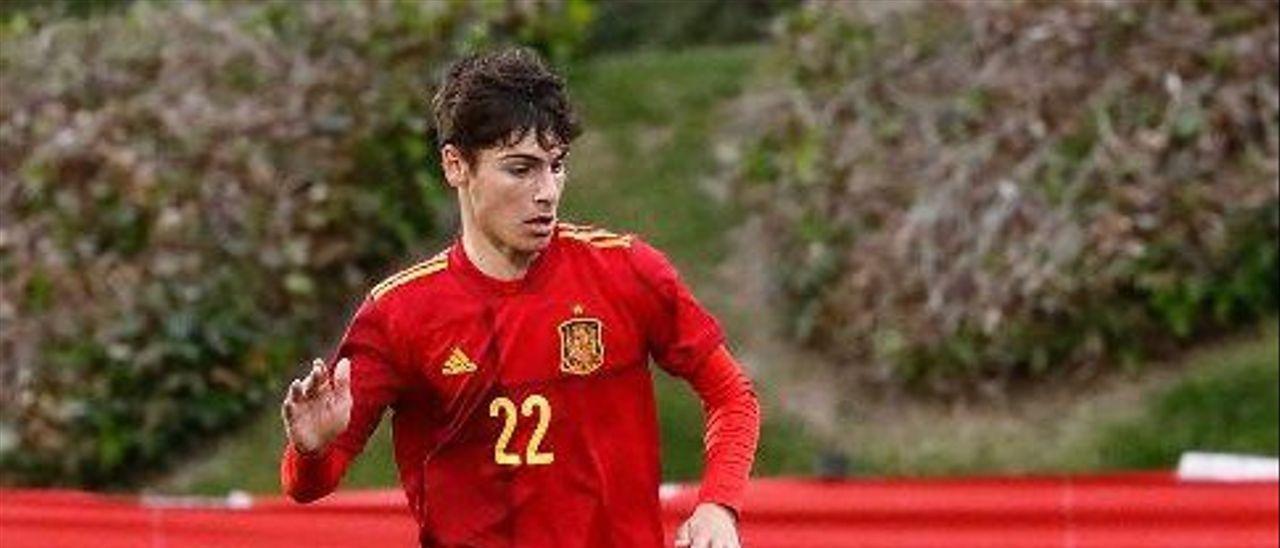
458,363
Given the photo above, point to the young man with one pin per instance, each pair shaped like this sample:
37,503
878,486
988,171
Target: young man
516,360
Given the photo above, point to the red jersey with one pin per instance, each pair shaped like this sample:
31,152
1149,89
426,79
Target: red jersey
523,411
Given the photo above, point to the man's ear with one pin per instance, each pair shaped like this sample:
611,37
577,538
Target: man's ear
454,165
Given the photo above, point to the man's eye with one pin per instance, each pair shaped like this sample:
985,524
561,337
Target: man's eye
518,171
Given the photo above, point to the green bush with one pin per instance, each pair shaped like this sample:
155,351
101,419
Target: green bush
191,194
972,193
1233,408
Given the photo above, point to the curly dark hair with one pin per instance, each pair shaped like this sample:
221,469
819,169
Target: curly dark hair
497,97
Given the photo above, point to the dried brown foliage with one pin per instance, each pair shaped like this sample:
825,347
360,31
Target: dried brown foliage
190,193
969,193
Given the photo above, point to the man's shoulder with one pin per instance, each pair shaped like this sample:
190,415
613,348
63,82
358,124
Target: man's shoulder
625,252
419,275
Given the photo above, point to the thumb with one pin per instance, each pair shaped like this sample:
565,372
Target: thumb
682,535
342,375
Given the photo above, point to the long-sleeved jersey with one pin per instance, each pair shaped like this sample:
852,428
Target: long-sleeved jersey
523,411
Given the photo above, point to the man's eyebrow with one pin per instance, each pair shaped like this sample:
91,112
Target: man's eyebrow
530,157
520,156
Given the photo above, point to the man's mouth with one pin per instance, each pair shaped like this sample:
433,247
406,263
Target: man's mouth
541,222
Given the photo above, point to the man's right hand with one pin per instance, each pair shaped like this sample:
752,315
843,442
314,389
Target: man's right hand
318,407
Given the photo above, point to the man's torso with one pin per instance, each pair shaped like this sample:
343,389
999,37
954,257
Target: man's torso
528,415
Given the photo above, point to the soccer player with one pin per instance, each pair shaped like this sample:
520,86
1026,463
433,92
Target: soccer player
516,360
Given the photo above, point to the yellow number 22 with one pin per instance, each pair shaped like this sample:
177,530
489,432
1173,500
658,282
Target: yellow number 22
507,409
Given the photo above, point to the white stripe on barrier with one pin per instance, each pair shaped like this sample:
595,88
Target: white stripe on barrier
1227,467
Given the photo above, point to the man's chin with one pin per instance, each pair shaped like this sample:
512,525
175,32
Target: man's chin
531,243
539,243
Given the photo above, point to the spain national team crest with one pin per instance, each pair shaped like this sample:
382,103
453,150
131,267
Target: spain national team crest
581,346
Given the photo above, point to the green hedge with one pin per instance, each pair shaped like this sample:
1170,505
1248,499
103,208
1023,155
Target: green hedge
970,194
191,196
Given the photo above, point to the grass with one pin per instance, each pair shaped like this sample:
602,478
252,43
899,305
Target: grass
639,166
249,461
649,120
1230,404
1221,397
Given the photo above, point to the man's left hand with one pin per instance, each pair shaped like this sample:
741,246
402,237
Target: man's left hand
710,526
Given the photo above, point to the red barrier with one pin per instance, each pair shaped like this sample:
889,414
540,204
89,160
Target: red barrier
1117,511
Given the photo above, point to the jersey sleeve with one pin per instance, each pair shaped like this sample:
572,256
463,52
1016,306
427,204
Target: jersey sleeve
732,413
375,385
680,332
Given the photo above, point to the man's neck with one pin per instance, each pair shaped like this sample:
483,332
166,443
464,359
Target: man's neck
492,259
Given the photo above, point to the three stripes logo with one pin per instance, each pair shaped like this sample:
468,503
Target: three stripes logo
458,363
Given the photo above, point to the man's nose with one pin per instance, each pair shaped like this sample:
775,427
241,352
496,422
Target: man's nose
547,192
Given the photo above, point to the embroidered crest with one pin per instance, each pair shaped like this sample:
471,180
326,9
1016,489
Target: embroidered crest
581,345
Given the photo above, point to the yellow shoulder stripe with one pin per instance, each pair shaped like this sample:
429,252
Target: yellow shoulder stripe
620,241
430,266
571,227
599,238
587,235
585,232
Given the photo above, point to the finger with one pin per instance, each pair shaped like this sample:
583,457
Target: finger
342,375
682,536
319,368
304,387
312,385
725,537
295,391
324,376
701,540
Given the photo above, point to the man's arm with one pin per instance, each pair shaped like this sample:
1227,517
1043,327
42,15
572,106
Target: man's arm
732,428
330,414
732,433
688,342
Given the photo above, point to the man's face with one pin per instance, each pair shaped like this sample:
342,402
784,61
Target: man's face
514,193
